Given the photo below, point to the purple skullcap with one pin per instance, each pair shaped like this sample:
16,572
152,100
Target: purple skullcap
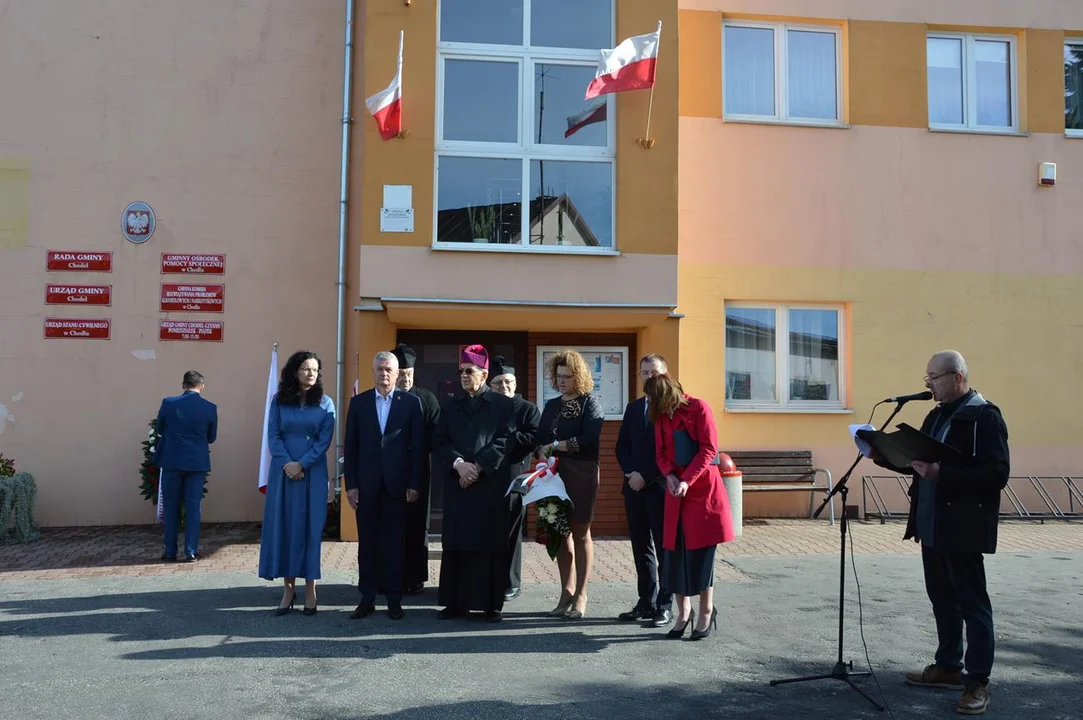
475,355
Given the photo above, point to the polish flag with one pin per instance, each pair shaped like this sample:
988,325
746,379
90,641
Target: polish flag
629,66
595,113
265,450
386,105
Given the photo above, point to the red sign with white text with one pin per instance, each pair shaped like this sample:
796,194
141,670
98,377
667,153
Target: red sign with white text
79,295
81,328
71,260
196,264
197,330
192,298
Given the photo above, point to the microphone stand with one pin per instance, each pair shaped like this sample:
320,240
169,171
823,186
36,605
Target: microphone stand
843,670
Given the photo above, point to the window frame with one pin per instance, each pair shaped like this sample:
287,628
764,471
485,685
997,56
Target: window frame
525,149
783,402
1076,42
970,94
781,75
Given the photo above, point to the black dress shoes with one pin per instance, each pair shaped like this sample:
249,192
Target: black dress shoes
636,613
512,593
363,610
449,613
493,616
418,589
395,611
168,558
661,618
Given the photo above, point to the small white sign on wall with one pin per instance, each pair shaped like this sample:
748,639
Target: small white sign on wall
397,213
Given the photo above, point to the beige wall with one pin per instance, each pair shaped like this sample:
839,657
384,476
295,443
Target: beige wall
224,116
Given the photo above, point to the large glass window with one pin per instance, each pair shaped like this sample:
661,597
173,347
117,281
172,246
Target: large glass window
1073,87
523,160
972,83
781,73
781,356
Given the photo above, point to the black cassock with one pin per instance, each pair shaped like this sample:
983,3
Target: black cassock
474,559
416,563
527,418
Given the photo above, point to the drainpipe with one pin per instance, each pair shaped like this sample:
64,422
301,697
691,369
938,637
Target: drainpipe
344,185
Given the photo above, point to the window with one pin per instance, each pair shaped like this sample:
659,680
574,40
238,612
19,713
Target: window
522,160
1073,87
972,82
782,73
807,376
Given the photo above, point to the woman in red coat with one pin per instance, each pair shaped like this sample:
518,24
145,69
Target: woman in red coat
697,514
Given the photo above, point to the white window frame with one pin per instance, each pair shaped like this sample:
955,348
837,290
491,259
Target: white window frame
1075,42
783,403
782,96
525,149
970,94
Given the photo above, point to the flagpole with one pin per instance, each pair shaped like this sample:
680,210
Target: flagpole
398,73
646,142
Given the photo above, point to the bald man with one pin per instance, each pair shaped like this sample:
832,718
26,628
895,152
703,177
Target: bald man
953,514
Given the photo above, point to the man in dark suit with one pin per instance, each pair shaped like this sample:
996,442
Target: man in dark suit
382,466
644,503
187,424
527,417
954,510
416,568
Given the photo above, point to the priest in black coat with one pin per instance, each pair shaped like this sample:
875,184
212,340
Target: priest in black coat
471,444
416,563
527,416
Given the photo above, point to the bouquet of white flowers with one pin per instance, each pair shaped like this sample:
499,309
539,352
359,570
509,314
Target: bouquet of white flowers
545,487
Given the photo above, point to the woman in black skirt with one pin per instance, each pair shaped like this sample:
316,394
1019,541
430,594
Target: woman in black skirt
697,509
571,426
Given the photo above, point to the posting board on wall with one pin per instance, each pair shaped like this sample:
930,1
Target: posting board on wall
609,369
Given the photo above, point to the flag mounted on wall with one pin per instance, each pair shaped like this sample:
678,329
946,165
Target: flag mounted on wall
386,105
629,66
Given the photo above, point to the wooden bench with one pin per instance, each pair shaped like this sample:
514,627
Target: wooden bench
783,471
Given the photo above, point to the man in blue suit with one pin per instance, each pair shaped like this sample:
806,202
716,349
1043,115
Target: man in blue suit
383,446
187,425
644,503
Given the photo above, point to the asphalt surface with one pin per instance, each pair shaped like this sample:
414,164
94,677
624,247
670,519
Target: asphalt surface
207,646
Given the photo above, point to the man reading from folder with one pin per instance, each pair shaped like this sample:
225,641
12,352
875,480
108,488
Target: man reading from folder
954,508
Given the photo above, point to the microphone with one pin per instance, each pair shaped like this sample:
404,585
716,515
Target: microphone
913,396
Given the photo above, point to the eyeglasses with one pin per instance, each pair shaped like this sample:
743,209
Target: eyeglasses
467,371
561,376
930,378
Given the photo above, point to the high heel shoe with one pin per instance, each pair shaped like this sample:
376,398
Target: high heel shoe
575,613
285,609
562,607
676,633
701,634
309,610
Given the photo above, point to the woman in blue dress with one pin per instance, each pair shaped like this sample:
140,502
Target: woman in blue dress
300,428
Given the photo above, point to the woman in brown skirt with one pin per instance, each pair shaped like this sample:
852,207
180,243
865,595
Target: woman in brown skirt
571,425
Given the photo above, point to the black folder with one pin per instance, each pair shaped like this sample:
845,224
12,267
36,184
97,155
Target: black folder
906,444
685,449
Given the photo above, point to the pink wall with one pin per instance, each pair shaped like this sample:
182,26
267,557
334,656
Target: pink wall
1005,13
224,116
877,197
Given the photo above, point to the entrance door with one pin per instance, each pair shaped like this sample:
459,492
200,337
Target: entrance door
437,370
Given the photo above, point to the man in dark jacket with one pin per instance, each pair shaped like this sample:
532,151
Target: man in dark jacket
954,510
527,416
469,448
416,563
644,503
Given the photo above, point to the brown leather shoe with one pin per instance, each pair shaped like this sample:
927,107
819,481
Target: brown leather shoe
974,701
936,677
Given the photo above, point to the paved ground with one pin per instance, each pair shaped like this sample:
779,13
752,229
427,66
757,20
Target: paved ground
90,629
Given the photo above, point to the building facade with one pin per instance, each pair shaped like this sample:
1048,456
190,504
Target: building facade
829,191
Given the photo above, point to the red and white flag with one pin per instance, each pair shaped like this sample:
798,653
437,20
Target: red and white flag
265,449
595,113
386,105
629,66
